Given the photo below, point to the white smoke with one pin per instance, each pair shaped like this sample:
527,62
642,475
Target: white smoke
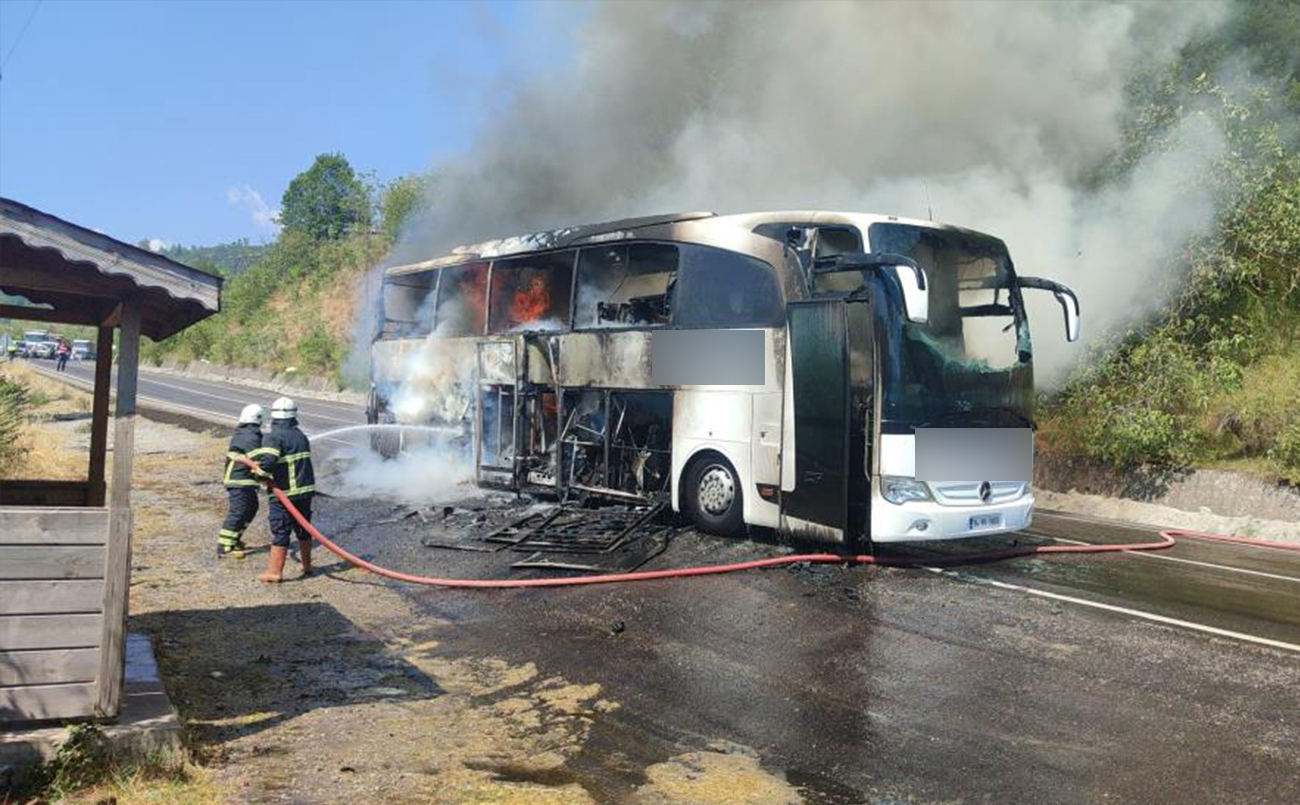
1000,114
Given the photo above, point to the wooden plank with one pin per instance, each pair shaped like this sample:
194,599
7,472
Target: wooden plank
51,597
24,492
51,562
99,416
49,666
53,525
80,316
48,631
117,570
47,702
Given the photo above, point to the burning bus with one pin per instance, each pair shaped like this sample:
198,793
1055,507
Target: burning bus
828,375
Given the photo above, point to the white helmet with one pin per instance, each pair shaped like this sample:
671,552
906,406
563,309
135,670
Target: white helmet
252,415
284,408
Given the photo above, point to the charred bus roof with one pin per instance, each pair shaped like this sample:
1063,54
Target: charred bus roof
736,231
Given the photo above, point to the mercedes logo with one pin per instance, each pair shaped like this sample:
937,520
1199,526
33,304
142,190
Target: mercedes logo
986,491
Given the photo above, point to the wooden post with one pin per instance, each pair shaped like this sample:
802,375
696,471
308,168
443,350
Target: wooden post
117,564
99,417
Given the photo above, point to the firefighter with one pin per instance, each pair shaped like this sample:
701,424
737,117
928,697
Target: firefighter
241,485
286,454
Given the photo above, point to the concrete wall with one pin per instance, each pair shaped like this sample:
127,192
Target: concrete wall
1231,494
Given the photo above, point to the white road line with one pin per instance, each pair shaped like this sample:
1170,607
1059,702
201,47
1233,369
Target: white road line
239,402
84,383
205,414
1137,613
1083,518
1166,557
314,401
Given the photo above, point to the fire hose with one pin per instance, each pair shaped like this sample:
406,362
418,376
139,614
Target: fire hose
1168,538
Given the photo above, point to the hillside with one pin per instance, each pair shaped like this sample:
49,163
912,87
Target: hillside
1213,380
228,259
292,308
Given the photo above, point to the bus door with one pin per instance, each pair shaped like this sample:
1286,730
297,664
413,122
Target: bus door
818,331
496,414
832,353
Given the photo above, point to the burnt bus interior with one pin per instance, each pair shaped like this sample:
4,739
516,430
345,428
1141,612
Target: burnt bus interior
532,431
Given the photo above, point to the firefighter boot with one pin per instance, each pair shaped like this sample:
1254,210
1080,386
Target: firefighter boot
229,544
304,553
274,565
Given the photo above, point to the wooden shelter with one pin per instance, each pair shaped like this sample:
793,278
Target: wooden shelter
65,546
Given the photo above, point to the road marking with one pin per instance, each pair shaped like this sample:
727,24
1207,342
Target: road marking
1145,527
314,401
89,385
1167,558
1137,613
239,402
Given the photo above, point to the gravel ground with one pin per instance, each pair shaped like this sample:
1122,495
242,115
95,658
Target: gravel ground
321,690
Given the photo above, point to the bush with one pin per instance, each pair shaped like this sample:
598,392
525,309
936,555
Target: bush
15,402
319,351
1286,454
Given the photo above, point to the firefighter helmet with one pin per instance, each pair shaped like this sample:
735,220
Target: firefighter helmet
252,415
284,408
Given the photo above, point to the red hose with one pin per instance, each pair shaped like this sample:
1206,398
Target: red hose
1167,540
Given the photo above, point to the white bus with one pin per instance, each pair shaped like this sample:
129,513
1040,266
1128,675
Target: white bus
768,369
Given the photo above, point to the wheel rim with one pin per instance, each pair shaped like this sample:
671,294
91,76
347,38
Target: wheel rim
717,491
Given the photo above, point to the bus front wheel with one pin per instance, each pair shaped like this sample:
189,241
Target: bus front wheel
714,497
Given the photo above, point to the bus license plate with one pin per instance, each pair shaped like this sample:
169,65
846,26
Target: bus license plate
981,522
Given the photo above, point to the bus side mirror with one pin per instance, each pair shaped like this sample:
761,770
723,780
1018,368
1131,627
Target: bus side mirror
916,297
1068,300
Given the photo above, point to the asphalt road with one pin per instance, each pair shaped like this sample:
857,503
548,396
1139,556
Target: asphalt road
219,402
1153,677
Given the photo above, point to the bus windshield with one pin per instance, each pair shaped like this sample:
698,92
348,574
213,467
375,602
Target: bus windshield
970,363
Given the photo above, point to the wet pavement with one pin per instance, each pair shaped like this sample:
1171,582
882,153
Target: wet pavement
1121,677
870,684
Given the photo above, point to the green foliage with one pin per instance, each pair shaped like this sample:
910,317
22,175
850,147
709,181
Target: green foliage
15,402
326,201
398,202
1216,377
225,259
81,761
1286,453
320,351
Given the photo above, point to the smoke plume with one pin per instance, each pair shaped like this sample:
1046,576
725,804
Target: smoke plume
997,115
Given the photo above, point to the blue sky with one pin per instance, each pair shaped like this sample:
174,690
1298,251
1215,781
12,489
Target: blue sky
178,120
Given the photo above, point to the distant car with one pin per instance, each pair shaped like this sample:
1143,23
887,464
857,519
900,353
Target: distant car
44,349
82,350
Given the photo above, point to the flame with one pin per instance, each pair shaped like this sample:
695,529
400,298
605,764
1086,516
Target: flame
473,291
532,301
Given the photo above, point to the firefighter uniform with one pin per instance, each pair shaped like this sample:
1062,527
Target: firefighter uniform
286,454
241,486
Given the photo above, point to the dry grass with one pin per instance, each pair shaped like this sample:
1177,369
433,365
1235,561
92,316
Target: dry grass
51,397
158,780
45,442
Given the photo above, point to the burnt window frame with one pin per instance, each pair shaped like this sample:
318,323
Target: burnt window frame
487,291
539,255
382,312
627,244
779,316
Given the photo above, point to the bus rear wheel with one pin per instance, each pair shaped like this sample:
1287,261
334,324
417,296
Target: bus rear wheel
713,497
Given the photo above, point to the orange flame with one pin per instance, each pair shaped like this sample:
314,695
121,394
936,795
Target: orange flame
532,302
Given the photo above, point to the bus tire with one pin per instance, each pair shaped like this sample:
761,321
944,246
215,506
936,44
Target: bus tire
387,442
713,496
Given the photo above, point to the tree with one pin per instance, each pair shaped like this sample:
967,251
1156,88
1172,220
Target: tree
399,200
326,201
